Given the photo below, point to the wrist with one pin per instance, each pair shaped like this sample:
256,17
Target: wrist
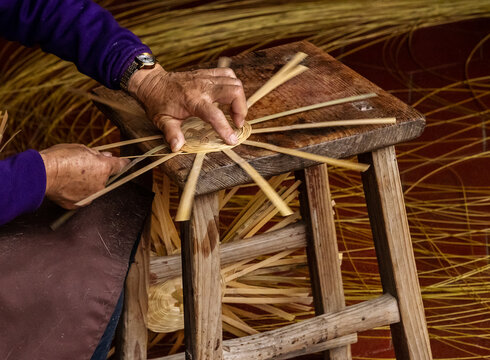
142,79
51,168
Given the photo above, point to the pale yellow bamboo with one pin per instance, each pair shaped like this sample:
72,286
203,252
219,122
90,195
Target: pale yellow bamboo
3,124
130,177
323,124
313,107
302,154
187,198
261,182
127,142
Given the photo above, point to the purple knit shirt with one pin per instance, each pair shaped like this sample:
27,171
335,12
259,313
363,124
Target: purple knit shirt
75,30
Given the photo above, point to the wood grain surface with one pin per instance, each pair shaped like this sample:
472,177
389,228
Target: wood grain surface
326,79
322,249
202,281
397,268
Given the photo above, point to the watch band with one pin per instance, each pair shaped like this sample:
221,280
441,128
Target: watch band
144,60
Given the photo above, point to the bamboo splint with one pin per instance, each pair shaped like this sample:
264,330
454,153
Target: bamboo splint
319,158
3,124
313,107
261,182
118,183
323,124
306,336
185,205
287,72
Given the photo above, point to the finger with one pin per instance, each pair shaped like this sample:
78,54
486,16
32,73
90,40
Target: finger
226,72
221,80
117,164
235,96
211,114
172,131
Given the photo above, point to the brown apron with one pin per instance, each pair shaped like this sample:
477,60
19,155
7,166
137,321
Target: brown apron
59,289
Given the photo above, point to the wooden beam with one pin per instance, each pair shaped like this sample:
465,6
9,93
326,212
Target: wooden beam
391,234
303,337
132,333
163,268
322,248
202,281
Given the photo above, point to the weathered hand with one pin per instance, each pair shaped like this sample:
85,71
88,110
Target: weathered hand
75,171
170,98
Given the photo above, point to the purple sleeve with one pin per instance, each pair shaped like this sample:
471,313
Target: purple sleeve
75,30
22,184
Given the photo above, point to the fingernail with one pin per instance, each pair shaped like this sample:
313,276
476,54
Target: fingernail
106,153
176,144
233,139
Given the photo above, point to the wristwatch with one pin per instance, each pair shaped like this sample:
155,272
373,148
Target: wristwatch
141,61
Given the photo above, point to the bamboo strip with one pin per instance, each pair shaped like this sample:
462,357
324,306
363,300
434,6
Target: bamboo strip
309,156
239,324
259,265
251,207
9,140
228,196
268,300
137,161
128,142
313,107
3,124
137,173
287,72
187,198
261,182
323,124
275,311
263,91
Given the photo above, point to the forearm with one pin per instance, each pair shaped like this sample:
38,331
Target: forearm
75,30
22,184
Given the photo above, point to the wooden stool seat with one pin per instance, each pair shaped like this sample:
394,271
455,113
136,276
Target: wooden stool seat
335,325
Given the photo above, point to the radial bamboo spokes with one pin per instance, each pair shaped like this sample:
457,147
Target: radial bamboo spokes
126,179
313,107
287,72
305,155
261,182
187,198
323,124
128,142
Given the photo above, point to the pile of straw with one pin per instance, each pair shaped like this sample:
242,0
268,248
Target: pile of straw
443,217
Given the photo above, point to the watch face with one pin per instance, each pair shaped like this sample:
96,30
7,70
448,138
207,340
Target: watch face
146,59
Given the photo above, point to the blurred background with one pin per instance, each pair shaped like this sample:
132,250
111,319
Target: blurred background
433,55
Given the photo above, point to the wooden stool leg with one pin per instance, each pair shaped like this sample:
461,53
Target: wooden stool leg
201,281
322,248
387,214
132,334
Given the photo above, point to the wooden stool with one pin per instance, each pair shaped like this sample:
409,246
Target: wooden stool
335,325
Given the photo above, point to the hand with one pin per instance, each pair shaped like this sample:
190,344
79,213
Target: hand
170,98
75,171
